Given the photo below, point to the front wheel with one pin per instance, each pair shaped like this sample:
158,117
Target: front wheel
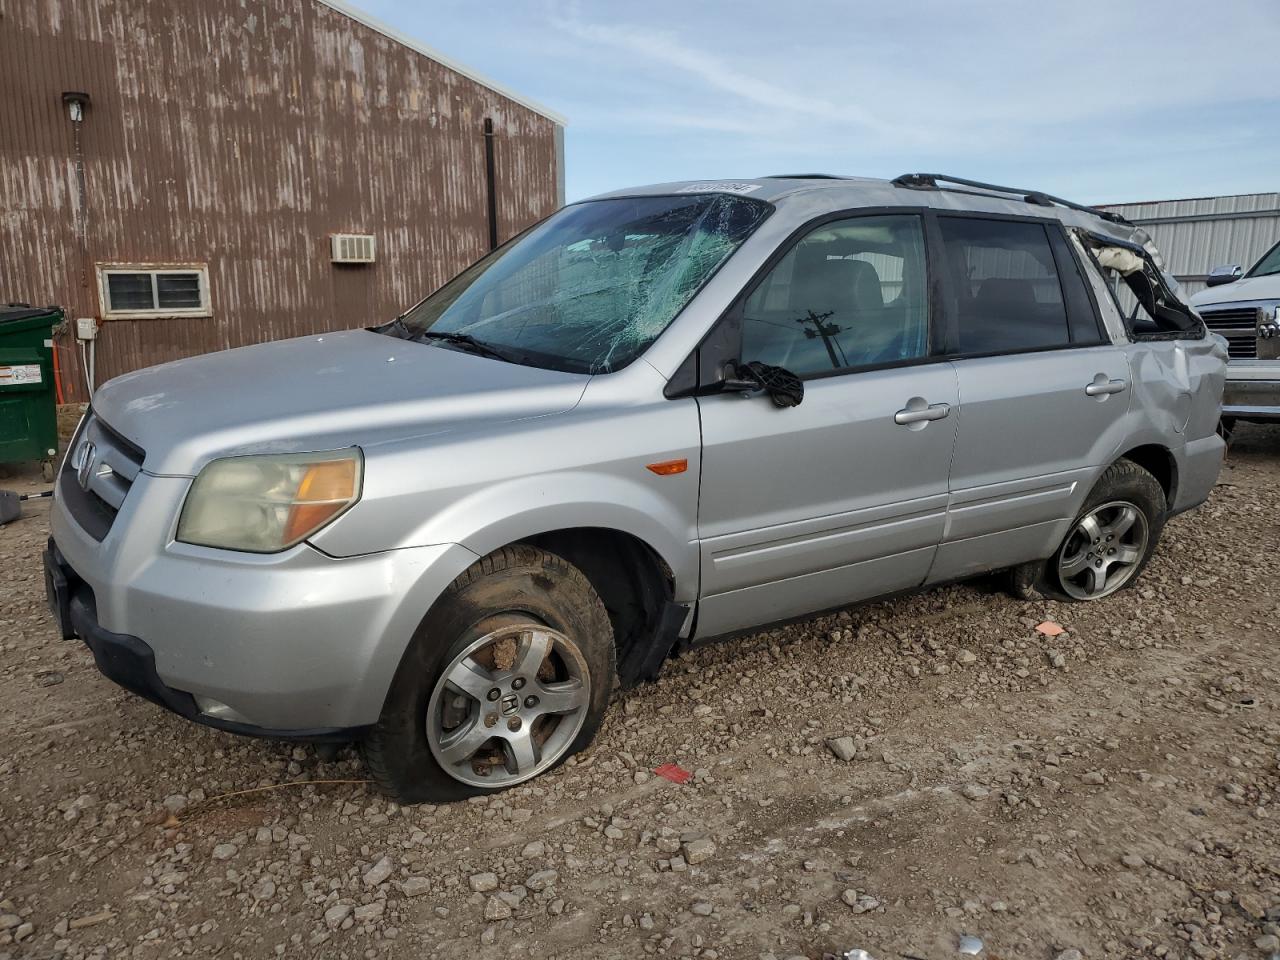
508,676
1112,538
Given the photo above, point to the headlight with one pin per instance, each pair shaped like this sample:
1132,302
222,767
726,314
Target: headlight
265,504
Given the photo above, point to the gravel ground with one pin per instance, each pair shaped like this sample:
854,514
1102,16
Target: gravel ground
890,777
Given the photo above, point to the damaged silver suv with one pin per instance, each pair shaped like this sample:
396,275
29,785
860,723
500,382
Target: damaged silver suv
660,416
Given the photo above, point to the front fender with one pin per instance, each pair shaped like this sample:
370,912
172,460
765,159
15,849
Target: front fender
586,469
567,501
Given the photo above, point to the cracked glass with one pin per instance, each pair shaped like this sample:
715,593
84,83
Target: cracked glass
591,287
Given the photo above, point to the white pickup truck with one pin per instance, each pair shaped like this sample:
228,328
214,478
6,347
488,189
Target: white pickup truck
1245,308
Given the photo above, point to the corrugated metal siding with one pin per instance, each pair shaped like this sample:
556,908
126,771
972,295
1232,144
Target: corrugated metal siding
1197,235
241,133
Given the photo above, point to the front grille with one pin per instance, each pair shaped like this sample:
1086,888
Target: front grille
1240,326
108,464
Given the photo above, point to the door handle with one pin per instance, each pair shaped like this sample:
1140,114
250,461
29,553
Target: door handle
1101,386
917,411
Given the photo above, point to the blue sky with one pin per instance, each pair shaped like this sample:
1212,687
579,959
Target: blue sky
1096,101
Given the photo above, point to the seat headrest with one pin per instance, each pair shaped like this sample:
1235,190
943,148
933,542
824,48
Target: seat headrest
836,286
1005,293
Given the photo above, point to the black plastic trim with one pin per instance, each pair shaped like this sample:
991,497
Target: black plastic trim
1081,309
666,637
94,515
1084,263
129,447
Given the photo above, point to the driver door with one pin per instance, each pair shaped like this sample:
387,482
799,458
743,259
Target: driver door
844,496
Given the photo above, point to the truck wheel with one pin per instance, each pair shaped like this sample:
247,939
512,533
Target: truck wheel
507,676
1112,538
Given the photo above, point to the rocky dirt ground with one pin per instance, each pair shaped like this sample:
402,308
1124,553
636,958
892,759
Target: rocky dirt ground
1110,792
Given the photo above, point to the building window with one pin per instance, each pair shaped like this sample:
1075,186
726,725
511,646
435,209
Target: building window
135,292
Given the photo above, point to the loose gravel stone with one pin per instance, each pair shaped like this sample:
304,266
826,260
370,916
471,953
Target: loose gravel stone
334,916
378,873
699,850
416,886
495,908
368,912
843,748
542,880
483,882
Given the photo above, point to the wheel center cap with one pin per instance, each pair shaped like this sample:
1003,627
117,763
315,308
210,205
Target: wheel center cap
510,704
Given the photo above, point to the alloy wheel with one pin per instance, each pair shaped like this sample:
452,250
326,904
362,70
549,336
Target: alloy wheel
1103,551
509,705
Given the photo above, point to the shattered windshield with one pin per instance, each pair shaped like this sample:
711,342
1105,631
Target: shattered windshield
591,287
1268,265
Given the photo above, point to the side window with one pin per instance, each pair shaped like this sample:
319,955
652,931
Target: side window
849,294
1008,296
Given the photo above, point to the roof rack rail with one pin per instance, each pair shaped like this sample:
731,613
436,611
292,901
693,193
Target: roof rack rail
935,181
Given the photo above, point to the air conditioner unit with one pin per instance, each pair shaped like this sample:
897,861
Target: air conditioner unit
352,248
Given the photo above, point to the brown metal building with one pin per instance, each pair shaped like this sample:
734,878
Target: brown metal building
180,170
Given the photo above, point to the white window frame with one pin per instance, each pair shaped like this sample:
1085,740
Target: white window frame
104,298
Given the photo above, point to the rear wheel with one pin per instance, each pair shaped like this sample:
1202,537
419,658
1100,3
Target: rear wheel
1112,538
509,675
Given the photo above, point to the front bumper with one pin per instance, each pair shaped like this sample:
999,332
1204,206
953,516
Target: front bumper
131,663
1251,399
297,643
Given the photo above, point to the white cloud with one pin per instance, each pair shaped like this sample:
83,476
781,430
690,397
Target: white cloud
1091,98
667,49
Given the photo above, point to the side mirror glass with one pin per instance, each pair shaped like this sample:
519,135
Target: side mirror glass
1220,275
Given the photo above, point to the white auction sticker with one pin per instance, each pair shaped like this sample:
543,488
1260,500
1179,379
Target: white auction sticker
24,373
719,186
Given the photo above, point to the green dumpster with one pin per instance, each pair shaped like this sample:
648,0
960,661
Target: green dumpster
28,408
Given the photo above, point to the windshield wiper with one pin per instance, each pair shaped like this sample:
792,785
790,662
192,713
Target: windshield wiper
470,342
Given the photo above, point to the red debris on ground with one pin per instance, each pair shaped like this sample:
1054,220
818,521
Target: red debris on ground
674,773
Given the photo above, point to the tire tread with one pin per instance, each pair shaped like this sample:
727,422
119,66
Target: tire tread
377,746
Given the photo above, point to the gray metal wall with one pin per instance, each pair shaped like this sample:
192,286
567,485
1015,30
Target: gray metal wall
1199,234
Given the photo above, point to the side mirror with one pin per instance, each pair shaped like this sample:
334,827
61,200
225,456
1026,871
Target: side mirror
784,388
1220,275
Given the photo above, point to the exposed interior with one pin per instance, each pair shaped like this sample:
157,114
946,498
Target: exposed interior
1150,307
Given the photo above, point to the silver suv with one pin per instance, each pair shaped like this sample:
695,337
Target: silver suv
659,416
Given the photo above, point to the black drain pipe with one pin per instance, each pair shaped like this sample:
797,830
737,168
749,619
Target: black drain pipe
490,183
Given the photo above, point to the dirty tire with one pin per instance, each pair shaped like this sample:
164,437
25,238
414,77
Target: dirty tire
1124,481
517,583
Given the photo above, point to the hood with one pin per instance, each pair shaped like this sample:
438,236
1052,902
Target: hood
319,393
1246,288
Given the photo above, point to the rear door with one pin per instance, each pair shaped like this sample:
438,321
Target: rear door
844,496
1043,392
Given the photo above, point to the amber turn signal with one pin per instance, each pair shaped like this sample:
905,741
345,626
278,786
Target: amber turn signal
667,468
327,488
